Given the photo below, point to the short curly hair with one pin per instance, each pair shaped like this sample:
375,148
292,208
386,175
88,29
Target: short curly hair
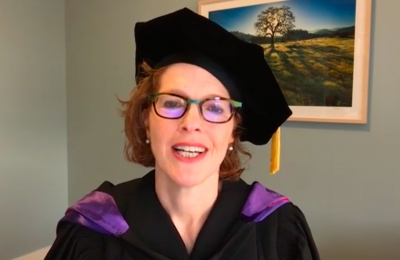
136,110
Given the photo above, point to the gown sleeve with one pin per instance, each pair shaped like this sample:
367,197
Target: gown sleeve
74,242
294,239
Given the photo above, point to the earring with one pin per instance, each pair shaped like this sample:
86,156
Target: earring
230,149
147,141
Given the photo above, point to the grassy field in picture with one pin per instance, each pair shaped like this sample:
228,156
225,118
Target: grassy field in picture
315,72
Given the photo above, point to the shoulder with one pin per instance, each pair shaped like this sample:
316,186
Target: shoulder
282,228
288,234
103,209
123,193
287,220
264,205
291,213
95,222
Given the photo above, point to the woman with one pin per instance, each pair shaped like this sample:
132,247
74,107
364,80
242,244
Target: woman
200,93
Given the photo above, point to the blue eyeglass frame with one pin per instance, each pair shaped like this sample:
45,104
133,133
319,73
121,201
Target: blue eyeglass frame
235,104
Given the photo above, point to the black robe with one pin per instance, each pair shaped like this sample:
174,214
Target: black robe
127,221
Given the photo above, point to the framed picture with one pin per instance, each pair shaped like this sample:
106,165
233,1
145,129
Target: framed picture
318,50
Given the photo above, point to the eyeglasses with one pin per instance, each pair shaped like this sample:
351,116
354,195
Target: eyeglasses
213,110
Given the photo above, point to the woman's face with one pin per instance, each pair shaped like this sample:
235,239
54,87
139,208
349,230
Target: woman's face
189,150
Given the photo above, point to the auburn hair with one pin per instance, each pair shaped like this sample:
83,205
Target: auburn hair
135,112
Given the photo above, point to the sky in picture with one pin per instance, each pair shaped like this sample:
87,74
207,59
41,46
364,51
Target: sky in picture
310,15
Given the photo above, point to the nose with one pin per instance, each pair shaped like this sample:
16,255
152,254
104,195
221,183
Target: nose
192,120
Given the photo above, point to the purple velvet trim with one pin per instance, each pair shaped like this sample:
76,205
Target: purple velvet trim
75,217
261,203
98,211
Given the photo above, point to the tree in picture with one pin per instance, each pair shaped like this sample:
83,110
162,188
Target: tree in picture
274,20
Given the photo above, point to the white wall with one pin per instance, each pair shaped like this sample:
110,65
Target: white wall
33,137
37,255
344,177
100,68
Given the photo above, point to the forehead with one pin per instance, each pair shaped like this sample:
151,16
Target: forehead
191,80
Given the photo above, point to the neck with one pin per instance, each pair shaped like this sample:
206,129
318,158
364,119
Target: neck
188,204
188,207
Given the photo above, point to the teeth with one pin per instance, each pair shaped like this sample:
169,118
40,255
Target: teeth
192,149
188,154
189,151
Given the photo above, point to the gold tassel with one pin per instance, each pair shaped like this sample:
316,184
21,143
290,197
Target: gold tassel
275,152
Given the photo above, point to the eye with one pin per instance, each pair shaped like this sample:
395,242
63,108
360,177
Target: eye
215,108
172,104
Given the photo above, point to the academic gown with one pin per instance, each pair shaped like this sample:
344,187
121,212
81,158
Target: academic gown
128,222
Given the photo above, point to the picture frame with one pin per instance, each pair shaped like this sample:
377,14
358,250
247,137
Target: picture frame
320,56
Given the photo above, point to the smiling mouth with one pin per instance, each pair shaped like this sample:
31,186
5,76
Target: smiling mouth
189,151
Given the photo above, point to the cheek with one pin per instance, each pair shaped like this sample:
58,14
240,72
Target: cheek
160,129
223,137
154,125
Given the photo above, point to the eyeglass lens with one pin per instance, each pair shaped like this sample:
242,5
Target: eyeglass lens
214,110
